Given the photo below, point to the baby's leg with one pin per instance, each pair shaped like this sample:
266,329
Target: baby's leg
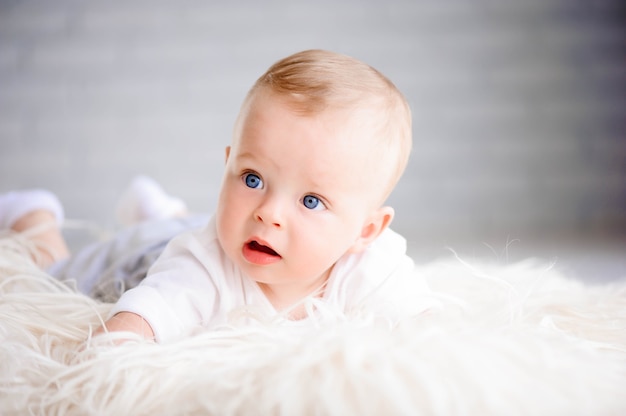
145,200
36,216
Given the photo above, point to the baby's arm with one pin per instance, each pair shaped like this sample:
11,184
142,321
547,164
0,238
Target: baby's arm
128,322
177,294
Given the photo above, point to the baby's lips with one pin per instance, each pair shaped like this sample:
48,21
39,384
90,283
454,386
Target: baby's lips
260,254
262,246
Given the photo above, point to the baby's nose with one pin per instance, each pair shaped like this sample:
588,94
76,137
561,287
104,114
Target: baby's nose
270,213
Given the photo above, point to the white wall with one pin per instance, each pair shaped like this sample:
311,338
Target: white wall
518,105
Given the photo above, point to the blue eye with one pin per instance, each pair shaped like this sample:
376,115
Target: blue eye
253,181
313,202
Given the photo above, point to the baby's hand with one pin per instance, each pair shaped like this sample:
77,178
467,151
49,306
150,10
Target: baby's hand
128,322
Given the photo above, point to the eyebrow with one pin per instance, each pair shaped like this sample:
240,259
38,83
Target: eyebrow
245,155
254,157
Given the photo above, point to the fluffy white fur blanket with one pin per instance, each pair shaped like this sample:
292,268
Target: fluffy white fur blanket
516,340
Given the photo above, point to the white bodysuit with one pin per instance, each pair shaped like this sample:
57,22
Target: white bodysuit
194,284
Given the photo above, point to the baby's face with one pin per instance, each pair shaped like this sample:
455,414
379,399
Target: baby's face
296,194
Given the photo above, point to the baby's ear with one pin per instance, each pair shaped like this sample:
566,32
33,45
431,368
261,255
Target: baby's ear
376,223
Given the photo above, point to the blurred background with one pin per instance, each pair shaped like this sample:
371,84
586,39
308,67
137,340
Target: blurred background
519,109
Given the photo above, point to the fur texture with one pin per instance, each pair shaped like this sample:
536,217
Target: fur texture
518,339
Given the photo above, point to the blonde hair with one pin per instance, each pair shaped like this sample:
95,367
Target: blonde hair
314,81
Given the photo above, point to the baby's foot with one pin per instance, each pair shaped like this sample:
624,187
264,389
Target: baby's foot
145,200
16,204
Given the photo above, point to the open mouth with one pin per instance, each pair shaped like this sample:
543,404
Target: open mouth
256,246
260,254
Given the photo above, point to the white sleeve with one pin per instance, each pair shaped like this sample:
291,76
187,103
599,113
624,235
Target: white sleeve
402,293
383,280
179,292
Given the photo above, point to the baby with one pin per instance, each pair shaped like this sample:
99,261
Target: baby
301,227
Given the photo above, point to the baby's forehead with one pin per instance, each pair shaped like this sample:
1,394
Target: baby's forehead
372,137
314,105
356,130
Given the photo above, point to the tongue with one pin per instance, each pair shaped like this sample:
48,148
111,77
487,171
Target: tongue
264,249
